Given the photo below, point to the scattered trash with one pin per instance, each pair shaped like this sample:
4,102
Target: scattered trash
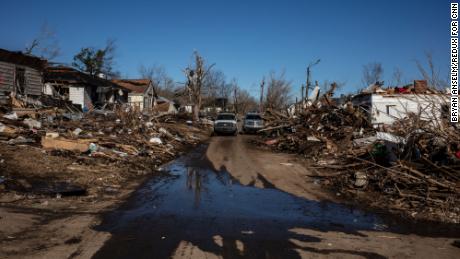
286,164
11,116
20,140
32,124
51,135
360,179
271,142
156,140
6,130
312,138
92,148
77,131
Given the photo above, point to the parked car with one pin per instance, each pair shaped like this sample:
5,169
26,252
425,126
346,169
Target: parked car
226,123
252,122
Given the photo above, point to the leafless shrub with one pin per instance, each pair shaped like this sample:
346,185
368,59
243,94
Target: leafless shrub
431,73
163,83
45,44
372,73
278,91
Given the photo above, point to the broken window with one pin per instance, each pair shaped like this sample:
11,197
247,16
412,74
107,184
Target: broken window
20,80
390,108
445,112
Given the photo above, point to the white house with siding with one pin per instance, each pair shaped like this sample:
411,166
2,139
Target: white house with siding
81,88
142,94
385,106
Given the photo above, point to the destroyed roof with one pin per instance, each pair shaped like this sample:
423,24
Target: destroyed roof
162,99
73,76
134,85
163,107
418,87
19,58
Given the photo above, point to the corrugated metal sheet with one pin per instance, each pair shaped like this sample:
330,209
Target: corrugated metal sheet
34,82
33,79
6,76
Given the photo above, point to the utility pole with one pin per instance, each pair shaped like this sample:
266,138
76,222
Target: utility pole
307,87
261,102
235,100
308,82
302,93
296,106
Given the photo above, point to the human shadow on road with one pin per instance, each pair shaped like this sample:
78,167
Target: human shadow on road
197,209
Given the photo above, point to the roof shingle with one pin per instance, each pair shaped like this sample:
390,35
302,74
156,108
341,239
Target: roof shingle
135,85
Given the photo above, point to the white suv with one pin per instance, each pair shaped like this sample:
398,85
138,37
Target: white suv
226,123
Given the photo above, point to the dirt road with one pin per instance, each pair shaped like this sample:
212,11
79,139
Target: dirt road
228,200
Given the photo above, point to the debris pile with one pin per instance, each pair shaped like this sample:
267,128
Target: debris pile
415,170
316,131
413,167
101,141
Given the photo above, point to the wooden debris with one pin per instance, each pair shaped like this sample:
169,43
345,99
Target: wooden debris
65,144
420,170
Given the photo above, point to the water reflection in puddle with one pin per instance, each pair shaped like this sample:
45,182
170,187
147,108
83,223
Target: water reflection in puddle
197,204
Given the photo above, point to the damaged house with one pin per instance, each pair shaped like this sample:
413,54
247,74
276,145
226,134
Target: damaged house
82,89
21,75
166,106
384,106
142,94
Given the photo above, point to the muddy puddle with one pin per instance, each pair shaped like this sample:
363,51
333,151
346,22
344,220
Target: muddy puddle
197,204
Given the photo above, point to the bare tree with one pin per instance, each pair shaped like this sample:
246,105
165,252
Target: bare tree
225,90
372,73
328,85
195,76
215,86
235,89
278,92
397,76
109,58
45,44
162,82
431,74
244,102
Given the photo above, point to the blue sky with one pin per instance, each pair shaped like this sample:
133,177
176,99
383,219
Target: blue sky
245,39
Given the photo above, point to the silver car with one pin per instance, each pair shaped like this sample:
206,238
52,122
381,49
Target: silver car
252,122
